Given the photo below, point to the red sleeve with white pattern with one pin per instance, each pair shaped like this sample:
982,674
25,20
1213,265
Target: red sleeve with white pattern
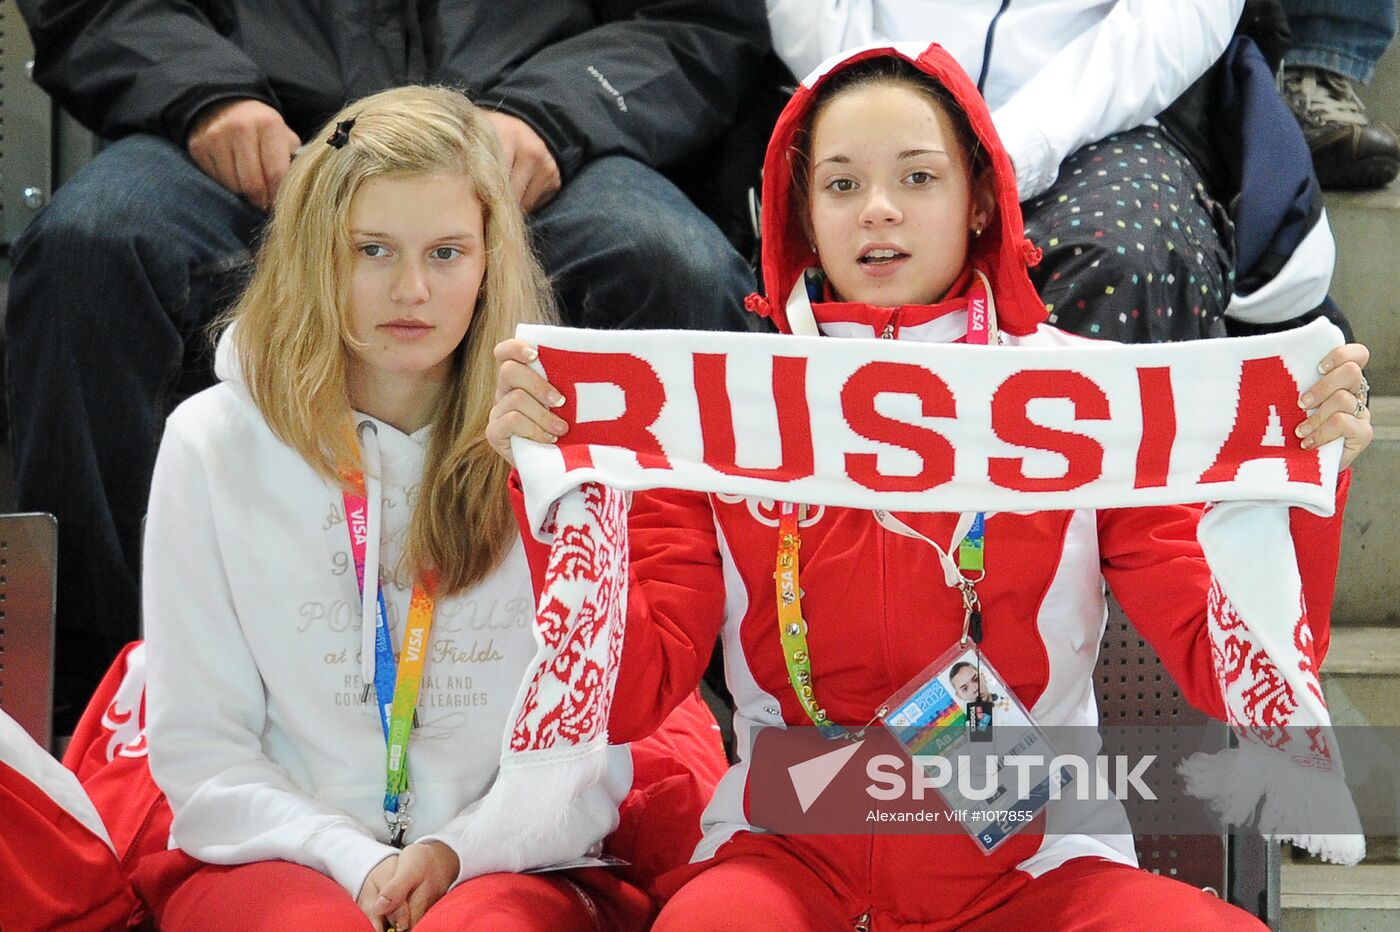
675,604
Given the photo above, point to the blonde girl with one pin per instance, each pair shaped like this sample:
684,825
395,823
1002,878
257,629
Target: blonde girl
323,736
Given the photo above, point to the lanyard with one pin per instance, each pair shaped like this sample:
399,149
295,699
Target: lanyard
792,628
981,330
357,525
396,683
970,536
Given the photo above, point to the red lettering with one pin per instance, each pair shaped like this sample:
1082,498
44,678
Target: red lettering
1154,456
1011,423
1265,386
858,404
717,417
643,398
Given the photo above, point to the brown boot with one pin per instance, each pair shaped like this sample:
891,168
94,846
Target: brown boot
1349,151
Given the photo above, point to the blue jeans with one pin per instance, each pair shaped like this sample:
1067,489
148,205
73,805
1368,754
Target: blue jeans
624,248
1345,36
114,284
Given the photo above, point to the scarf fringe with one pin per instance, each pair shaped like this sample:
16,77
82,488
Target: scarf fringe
1249,786
535,813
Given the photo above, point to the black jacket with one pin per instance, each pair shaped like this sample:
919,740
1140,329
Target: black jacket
653,79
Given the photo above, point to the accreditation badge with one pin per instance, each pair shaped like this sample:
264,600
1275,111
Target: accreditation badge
976,745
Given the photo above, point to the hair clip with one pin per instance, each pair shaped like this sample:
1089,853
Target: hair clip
342,134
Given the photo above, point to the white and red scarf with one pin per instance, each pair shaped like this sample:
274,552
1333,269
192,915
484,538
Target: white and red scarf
902,426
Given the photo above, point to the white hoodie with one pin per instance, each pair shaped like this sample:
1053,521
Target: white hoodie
258,733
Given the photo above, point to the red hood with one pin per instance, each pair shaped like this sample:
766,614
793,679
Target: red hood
1002,252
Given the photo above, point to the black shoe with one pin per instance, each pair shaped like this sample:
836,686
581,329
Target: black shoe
1348,150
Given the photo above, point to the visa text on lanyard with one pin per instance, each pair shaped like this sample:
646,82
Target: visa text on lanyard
396,682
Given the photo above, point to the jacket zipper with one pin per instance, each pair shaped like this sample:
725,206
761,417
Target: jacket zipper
130,854
862,923
987,48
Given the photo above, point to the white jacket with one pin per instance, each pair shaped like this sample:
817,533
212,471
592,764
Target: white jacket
1063,73
258,734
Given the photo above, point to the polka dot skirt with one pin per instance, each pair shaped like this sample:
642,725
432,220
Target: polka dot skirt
1135,248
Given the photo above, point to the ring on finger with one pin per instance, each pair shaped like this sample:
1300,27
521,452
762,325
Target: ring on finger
1363,391
1360,407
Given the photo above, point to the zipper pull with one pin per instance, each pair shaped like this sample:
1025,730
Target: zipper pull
888,332
862,923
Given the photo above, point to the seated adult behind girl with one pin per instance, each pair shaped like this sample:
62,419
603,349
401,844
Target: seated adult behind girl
345,445
887,197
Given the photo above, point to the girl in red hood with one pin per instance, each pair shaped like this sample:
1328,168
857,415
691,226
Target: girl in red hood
888,202
882,193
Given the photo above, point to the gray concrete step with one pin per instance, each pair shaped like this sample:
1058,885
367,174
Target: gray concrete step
1368,587
1326,898
1361,677
1366,282
1361,680
1367,228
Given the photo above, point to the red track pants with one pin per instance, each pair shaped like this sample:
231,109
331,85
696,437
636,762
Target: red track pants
276,895
754,892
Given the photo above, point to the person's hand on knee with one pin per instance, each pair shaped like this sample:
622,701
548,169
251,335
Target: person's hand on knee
423,873
523,401
244,145
533,172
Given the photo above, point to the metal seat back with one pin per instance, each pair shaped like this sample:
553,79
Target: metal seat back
1134,688
28,574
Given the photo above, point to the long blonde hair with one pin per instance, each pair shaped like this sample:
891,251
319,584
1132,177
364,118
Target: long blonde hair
293,338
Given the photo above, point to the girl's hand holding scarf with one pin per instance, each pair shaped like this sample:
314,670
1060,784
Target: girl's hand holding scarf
523,401
1337,402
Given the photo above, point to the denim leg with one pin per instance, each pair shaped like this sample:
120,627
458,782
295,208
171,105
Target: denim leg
626,249
1345,36
111,283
